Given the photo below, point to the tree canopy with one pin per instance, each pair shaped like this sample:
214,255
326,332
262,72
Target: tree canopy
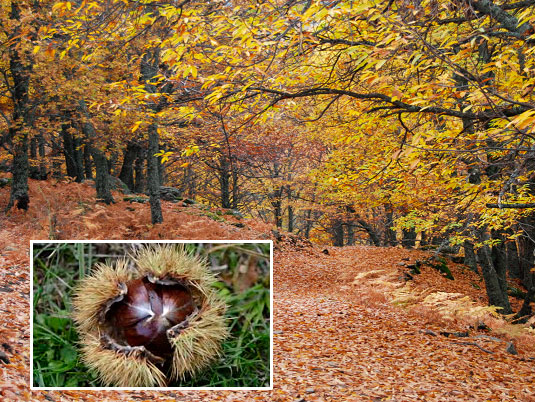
389,122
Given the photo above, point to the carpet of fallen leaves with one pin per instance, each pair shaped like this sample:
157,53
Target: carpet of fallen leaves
339,334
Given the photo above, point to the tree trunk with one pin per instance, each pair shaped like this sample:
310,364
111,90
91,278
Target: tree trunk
139,177
277,209
68,149
495,293
34,172
19,187
153,179
470,259
102,182
374,237
127,170
78,159
290,210
526,250
337,230
498,260
17,138
390,234
33,148
162,173
290,219
409,238
308,222
526,310
43,172
87,162
149,69
350,234
512,260
224,181
56,169
235,188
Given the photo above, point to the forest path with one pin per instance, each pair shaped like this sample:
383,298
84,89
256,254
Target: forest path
330,345
335,339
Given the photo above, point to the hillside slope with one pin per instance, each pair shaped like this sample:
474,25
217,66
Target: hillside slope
348,325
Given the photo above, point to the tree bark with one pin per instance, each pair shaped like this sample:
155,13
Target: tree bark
87,162
337,230
276,202
350,231
149,69
235,188
224,181
127,170
390,234
409,238
17,138
470,258
43,171
153,179
102,181
374,237
512,260
139,177
68,149
495,293
499,262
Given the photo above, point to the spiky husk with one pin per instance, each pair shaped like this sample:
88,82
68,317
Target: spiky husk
200,343
119,369
194,347
97,289
177,262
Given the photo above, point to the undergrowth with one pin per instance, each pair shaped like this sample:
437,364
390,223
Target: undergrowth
245,361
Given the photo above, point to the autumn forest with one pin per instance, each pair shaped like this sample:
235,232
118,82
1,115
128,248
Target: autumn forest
405,125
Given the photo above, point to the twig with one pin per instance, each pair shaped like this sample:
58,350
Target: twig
475,344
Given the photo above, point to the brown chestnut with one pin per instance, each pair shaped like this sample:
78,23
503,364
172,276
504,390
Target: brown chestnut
147,311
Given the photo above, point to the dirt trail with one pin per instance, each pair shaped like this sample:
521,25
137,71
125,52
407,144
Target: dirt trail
329,347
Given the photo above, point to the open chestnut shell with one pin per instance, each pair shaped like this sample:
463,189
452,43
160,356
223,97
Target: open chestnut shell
152,324
147,311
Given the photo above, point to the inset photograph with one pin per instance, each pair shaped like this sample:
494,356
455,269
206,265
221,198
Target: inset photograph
151,315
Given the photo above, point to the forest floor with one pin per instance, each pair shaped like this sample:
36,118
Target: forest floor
349,324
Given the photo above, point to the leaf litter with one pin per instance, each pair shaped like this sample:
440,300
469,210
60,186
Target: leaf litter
339,332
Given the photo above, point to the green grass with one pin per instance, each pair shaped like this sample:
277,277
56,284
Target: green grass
57,268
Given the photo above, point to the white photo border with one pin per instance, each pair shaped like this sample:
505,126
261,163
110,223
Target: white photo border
178,241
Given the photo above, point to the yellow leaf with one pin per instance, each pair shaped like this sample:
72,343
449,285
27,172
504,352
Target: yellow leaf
380,64
58,6
193,71
136,126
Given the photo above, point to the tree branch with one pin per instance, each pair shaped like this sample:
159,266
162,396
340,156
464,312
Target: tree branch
511,206
508,21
